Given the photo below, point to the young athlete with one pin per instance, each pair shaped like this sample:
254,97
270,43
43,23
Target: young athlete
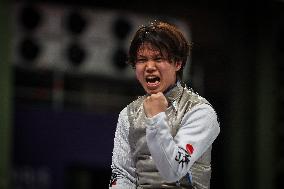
164,138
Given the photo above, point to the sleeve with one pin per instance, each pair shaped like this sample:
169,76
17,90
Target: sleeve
123,171
173,157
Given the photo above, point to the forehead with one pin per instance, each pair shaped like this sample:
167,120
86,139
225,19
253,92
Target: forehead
148,49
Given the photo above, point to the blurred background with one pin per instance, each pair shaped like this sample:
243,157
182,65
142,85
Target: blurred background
63,82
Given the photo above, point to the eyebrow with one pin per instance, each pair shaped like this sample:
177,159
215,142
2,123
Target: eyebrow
153,56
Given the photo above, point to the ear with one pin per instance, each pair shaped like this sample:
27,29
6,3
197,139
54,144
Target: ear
178,65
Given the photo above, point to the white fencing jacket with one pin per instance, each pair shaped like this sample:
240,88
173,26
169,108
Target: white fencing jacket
171,149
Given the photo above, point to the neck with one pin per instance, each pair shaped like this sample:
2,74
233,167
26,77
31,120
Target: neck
170,88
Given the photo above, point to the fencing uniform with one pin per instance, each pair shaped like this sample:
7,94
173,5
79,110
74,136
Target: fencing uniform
171,149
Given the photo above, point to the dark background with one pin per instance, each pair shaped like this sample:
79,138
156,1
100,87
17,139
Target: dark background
236,63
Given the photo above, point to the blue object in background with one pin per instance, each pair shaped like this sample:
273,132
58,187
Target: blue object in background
62,147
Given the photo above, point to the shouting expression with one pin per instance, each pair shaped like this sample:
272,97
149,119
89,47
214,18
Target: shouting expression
154,70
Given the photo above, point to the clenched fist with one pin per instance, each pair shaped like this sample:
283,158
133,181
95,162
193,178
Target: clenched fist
155,104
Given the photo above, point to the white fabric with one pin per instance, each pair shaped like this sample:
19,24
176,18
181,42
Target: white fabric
199,128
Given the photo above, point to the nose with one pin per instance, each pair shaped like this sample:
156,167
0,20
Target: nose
150,66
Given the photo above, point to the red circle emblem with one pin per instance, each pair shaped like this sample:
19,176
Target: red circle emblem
189,148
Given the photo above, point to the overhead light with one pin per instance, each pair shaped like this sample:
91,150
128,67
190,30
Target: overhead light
30,17
29,49
76,54
75,22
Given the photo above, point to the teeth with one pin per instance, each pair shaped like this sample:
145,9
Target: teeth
152,79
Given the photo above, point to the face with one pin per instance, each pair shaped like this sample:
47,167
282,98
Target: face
155,72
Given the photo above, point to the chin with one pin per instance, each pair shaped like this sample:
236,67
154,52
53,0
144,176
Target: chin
152,92
155,91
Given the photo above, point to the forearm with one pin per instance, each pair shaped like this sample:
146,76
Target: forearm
163,149
174,156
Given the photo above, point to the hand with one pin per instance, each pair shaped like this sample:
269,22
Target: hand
155,104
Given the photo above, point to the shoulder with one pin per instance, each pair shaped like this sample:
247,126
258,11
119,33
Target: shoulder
202,118
123,112
200,103
204,109
190,99
136,104
132,105
193,97
128,113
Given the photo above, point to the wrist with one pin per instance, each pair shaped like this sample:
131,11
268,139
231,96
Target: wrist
154,120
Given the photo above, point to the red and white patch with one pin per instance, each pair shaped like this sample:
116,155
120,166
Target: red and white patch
189,149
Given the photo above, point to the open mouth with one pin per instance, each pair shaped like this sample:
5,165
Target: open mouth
152,81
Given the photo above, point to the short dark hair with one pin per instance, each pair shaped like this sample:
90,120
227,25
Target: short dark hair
167,38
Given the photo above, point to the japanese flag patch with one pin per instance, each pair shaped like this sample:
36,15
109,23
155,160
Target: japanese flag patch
189,149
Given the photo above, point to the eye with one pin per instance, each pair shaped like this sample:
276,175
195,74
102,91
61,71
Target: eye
141,60
159,59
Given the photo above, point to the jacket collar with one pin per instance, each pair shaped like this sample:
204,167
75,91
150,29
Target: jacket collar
174,92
